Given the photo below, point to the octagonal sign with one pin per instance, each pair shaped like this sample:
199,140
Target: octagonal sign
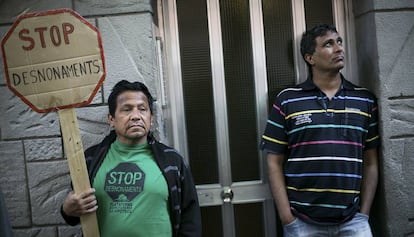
53,60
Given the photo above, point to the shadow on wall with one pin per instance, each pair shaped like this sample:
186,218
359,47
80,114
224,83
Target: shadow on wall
5,230
377,214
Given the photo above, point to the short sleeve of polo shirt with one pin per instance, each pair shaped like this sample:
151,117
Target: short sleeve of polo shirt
274,138
372,139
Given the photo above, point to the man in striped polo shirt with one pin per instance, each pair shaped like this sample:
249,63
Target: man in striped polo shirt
321,140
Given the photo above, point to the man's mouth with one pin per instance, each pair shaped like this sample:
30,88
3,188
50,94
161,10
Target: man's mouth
136,126
339,58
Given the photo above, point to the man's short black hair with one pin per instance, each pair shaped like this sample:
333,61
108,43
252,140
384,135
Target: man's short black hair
308,42
123,86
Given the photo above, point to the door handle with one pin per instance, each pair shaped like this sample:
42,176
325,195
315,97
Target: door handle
227,194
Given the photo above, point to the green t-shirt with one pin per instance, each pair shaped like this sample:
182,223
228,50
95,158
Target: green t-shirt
132,194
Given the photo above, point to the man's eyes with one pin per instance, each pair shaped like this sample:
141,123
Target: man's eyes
129,109
330,43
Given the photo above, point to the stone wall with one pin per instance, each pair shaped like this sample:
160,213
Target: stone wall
34,175
385,35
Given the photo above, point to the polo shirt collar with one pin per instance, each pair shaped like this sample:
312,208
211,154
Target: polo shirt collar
309,85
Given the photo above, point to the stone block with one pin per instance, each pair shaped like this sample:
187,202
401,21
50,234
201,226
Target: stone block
392,177
11,9
93,124
13,183
97,99
397,177
393,5
17,120
408,171
107,7
49,183
69,231
129,50
36,232
362,7
43,149
396,49
399,122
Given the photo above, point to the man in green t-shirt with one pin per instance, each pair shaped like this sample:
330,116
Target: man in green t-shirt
141,186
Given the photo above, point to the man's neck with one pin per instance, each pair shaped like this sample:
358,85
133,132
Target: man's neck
327,82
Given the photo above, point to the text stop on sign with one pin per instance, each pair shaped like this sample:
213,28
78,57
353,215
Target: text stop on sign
56,34
53,60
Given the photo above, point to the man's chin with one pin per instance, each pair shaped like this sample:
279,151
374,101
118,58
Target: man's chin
137,139
139,133
136,130
132,138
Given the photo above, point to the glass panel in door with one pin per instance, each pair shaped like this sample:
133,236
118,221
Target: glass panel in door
240,90
249,220
197,90
317,12
277,20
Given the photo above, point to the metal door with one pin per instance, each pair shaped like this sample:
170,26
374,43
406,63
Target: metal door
226,60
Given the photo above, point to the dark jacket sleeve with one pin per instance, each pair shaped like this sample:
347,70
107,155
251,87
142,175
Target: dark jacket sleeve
183,202
190,210
70,220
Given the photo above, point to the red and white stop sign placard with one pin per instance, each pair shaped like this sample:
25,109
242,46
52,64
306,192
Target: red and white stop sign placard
53,60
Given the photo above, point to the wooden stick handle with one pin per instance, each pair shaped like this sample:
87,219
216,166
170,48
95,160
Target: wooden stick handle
77,165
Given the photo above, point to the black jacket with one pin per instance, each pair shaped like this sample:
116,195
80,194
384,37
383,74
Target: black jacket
184,209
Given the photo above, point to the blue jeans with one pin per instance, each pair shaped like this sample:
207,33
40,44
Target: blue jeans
357,227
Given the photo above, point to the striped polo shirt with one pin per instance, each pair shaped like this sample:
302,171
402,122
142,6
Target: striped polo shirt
324,141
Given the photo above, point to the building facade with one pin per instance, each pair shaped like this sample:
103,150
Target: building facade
214,67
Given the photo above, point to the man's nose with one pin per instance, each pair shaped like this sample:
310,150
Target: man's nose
135,114
339,47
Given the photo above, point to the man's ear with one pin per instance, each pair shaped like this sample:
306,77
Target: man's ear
308,59
111,121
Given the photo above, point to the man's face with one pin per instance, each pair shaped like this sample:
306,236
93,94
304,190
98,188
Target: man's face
132,120
329,53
